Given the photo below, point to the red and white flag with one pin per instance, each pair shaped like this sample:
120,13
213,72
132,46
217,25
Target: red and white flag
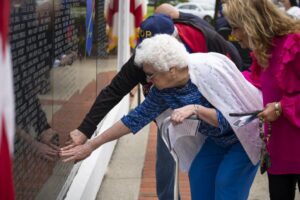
138,10
6,107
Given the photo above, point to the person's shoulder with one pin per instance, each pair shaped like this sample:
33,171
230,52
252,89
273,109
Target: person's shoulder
183,16
288,46
291,38
288,38
295,35
291,43
191,19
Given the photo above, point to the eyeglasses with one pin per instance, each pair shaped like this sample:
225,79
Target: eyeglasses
150,76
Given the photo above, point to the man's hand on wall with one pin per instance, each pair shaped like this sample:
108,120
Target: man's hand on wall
76,138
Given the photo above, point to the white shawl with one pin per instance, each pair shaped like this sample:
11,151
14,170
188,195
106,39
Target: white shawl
221,83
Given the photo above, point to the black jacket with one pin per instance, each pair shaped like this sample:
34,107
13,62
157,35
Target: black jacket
214,41
130,74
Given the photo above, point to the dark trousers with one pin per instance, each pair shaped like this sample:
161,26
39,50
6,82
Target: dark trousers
283,187
165,171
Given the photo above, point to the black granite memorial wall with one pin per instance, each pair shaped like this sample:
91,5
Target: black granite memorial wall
55,83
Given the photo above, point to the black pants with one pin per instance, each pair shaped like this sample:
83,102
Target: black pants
283,187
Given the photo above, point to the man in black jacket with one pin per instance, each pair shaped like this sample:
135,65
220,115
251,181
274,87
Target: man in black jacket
197,36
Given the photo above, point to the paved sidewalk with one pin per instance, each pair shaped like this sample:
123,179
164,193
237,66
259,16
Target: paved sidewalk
123,178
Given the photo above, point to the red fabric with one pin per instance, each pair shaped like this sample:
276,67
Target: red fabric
192,37
6,180
4,19
137,12
112,11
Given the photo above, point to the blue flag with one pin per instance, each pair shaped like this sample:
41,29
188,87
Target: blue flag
89,26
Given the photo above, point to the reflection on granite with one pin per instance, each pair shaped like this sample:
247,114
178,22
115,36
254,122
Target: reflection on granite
55,85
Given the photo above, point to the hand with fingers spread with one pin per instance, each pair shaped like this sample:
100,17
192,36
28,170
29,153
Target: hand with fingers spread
182,113
49,137
76,153
271,112
47,151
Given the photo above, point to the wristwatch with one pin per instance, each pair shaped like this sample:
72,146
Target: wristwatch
277,109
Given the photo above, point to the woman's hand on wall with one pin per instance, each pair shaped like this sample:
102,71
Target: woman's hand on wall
76,153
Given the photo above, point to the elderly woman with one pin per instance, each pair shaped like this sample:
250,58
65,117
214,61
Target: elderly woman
226,164
275,41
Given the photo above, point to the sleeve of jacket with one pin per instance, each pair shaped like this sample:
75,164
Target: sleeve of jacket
128,77
289,79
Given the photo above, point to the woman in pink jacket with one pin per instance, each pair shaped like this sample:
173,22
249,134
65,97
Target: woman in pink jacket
275,41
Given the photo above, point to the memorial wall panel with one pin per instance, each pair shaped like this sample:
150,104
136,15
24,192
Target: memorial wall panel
56,78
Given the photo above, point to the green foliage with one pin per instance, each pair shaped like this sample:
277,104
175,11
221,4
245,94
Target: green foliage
150,10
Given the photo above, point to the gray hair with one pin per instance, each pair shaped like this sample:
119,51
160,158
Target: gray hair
163,52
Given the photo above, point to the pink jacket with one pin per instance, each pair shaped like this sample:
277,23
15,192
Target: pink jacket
281,82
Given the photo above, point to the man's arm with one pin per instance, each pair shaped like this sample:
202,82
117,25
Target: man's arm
129,76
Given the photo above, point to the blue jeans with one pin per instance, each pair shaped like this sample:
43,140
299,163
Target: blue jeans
221,173
165,171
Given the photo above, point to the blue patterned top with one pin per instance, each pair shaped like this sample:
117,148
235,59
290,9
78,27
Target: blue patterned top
157,101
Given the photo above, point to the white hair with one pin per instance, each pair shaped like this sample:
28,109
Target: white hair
162,52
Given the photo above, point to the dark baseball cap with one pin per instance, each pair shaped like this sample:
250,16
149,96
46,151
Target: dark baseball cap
156,24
